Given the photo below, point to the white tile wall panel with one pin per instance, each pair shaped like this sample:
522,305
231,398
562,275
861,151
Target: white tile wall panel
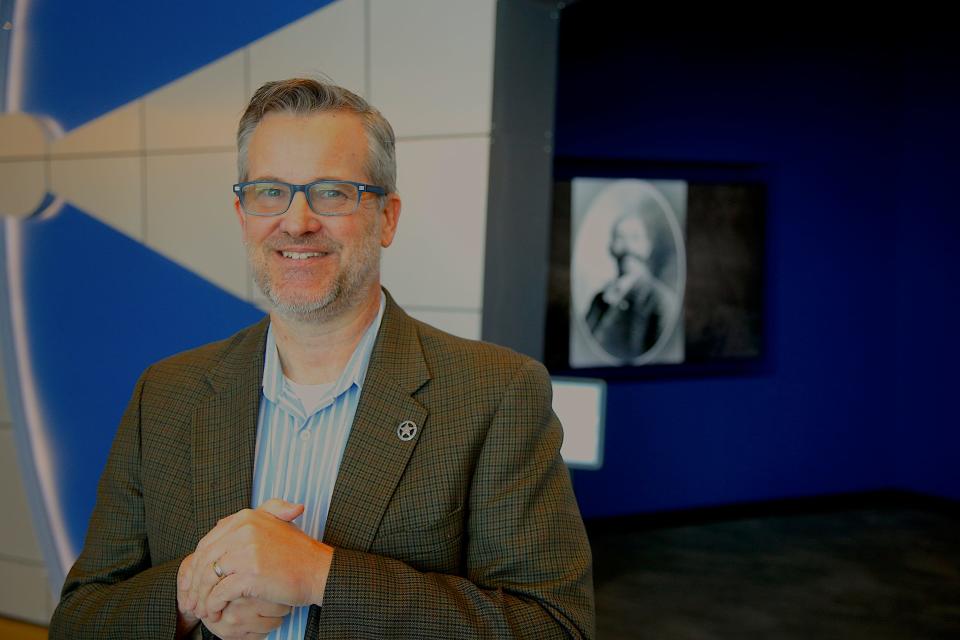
23,592
108,188
437,256
199,110
465,324
21,136
431,64
190,216
22,186
17,539
118,131
329,41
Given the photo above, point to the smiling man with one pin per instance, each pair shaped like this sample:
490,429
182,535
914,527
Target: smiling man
338,470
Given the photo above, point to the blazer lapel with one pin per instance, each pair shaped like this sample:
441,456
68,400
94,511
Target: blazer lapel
225,432
375,457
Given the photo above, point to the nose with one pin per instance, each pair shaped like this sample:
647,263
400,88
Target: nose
299,218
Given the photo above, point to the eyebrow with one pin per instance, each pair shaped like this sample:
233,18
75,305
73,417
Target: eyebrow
311,181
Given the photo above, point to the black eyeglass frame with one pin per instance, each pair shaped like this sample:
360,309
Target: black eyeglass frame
362,188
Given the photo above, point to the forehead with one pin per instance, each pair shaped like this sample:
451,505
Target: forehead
630,225
330,144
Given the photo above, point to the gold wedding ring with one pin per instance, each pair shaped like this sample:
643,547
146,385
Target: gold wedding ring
217,569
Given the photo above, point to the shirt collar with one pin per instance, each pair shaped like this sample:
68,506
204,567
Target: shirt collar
353,373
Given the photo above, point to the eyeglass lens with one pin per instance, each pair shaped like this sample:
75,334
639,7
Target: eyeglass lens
274,198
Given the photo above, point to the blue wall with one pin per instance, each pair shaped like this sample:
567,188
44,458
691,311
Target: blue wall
926,438
858,273
73,48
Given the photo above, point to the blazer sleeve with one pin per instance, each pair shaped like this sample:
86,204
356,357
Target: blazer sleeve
528,564
113,590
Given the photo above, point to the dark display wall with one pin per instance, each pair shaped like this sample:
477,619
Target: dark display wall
856,133
925,433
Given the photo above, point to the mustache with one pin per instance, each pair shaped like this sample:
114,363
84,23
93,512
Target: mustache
306,242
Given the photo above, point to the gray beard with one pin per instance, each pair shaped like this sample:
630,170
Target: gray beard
347,291
308,310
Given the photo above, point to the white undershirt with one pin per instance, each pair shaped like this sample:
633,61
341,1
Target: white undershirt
311,396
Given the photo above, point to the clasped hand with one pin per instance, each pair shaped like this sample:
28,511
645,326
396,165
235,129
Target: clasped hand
267,565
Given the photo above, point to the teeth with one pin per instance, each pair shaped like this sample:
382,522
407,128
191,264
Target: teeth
295,255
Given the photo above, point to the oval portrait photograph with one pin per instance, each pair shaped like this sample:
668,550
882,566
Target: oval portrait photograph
627,272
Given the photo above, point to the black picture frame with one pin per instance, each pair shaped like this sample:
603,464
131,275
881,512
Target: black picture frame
714,219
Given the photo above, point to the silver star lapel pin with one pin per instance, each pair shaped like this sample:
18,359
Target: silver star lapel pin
406,430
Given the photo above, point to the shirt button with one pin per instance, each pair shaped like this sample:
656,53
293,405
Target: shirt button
305,435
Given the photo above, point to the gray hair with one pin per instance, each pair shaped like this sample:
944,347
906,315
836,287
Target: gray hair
305,96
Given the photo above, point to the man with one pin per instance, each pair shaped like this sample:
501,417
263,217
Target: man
404,482
630,314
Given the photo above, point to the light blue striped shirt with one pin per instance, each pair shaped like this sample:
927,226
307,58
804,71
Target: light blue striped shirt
298,455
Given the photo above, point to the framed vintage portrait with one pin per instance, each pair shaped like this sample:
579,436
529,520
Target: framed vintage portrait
627,271
657,271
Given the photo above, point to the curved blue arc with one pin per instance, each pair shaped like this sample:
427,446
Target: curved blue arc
87,308
96,313
6,15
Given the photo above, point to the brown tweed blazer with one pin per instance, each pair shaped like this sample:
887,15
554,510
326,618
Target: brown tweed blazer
468,530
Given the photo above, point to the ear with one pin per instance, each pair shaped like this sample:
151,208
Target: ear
240,216
390,217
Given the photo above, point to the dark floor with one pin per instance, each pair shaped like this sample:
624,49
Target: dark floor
879,572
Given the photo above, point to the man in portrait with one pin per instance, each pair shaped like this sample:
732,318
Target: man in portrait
630,314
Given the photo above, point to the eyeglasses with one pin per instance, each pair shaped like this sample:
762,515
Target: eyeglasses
325,197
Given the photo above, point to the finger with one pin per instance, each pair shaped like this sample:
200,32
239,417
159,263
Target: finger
269,609
230,553
186,565
229,632
211,548
223,527
199,585
208,579
241,615
204,574
184,576
184,572
230,589
263,625
212,545
282,509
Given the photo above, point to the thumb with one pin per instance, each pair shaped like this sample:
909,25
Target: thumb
282,509
185,572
